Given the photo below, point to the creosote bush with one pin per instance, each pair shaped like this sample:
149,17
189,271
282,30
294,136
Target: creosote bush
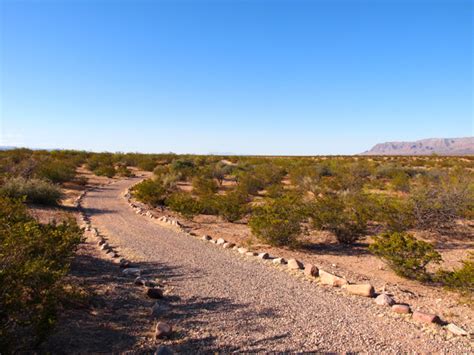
277,222
405,254
151,192
34,190
461,279
184,203
34,258
344,215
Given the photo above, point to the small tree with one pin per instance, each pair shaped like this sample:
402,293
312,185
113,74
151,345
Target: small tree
406,255
151,192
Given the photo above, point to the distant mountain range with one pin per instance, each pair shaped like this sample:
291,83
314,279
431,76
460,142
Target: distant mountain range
440,146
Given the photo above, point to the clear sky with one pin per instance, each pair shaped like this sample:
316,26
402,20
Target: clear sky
244,77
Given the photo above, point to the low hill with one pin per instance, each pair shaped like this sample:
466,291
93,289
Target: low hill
440,146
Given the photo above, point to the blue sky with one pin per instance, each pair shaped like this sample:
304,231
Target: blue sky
246,77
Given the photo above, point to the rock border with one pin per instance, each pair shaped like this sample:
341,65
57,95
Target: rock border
152,289
311,272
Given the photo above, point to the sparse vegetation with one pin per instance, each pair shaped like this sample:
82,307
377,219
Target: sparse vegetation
406,255
34,258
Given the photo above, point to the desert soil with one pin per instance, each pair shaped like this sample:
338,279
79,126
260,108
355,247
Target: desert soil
221,301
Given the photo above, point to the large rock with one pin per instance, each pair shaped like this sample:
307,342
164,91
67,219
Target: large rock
155,293
329,279
132,271
220,241
453,328
384,300
294,264
279,261
401,308
311,270
162,330
263,256
228,245
365,290
423,317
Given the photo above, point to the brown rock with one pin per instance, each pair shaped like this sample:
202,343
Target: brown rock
365,290
154,293
162,330
294,264
329,279
423,317
311,270
401,308
228,245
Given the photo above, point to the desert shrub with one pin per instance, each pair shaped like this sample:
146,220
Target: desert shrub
151,192
33,190
146,163
184,168
184,203
249,184
461,279
33,260
56,171
277,222
219,171
396,214
105,170
345,215
122,170
401,181
275,190
406,255
437,206
203,186
232,206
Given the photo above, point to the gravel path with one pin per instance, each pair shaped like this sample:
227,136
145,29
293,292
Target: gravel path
222,301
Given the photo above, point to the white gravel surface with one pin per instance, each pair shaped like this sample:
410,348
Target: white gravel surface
224,301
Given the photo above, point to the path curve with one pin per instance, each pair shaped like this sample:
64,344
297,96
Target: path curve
224,302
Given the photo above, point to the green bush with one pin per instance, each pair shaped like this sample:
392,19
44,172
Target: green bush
461,279
34,190
33,260
105,170
56,171
345,215
401,181
151,192
232,206
204,186
395,213
277,222
406,255
184,203
122,170
437,206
